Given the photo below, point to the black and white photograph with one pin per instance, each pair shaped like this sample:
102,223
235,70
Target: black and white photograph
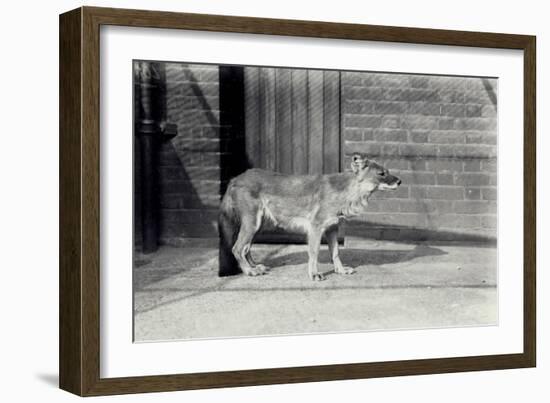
291,201
274,200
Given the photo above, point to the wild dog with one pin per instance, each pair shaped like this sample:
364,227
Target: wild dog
308,204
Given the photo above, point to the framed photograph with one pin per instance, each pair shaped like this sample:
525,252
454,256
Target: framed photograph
248,201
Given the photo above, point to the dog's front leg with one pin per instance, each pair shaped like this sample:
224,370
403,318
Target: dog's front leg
314,243
332,240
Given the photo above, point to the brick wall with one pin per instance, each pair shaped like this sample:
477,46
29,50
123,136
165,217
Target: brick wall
439,134
189,165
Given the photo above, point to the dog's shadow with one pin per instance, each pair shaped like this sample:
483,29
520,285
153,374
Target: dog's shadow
355,257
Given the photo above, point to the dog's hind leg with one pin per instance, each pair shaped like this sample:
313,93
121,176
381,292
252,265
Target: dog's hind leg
241,249
228,228
314,243
251,262
332,239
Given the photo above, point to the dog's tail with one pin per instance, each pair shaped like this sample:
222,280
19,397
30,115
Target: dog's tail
228,227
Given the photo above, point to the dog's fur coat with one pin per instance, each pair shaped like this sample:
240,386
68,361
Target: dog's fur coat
309,204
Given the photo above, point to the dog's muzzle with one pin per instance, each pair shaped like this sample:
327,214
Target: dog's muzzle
391,183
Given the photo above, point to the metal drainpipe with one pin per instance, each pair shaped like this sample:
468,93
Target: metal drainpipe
151,129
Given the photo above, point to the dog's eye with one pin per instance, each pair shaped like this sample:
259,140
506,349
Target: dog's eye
382,173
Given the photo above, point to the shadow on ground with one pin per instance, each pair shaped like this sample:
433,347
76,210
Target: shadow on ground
356,257
172,262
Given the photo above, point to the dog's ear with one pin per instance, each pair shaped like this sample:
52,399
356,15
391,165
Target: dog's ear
358,162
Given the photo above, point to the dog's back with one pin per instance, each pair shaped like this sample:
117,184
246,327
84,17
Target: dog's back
291,202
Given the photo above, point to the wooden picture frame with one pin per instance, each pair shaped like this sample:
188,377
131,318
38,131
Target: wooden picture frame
79,346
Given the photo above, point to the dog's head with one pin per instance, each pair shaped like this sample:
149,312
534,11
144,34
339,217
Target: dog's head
374,173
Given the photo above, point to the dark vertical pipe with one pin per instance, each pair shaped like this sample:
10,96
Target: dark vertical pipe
148,194
147,129
151,128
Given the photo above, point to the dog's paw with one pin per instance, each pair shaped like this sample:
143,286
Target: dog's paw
344,270
257,270
317,277
262,269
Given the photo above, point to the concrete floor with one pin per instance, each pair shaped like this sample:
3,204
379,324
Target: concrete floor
178,295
